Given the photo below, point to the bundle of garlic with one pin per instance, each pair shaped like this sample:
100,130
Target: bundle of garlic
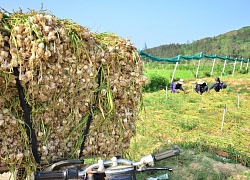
69,75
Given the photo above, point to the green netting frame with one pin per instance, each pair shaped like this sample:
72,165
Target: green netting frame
197,56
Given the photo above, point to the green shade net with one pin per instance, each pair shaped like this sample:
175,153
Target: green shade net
197,56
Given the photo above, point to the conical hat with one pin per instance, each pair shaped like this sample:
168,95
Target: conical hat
200,81
181,81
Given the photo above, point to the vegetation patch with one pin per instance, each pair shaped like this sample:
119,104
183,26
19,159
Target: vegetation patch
193,121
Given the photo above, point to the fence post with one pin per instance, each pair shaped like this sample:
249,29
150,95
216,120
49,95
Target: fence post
213,67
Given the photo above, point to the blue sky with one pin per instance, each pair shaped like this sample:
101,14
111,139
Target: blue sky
148,22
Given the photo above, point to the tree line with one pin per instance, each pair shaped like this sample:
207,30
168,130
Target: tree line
234,44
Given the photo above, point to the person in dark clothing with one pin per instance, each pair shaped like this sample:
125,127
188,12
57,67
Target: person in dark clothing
201,86
175,87
218,85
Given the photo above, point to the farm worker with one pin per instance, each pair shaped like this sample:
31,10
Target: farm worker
175,87
201,86
218,85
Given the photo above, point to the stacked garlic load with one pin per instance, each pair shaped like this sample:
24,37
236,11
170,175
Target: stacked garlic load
69,75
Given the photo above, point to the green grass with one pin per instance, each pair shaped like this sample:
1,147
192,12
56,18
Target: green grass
168,73
189,71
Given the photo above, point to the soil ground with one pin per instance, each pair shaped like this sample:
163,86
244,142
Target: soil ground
193,163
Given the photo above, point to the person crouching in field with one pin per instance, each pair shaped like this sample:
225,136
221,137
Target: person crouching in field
176,87
201,86
218,85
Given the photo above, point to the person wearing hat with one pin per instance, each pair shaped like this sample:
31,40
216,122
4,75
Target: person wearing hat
201,86
175,87
218,85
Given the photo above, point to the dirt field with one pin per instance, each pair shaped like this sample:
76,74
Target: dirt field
203,163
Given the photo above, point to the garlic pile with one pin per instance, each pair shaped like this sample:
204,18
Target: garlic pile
67,73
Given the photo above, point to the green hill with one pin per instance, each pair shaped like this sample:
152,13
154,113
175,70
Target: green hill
233,44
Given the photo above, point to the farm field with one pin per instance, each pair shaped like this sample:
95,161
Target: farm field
189,71
168,73
193,121
190,74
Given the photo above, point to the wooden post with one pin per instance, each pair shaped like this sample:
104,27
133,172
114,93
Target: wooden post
234,66
223,70
172,78
213,67
197,71
241,63
223,118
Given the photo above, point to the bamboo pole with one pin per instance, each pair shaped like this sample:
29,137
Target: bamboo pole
172,78
241,63
223,70
197,70
234,66
223,118
213,67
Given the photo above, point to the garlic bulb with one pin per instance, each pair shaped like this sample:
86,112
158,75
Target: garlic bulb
67,72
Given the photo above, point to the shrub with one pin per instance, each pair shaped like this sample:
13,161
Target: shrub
229,72
156,83
207,74
243,71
